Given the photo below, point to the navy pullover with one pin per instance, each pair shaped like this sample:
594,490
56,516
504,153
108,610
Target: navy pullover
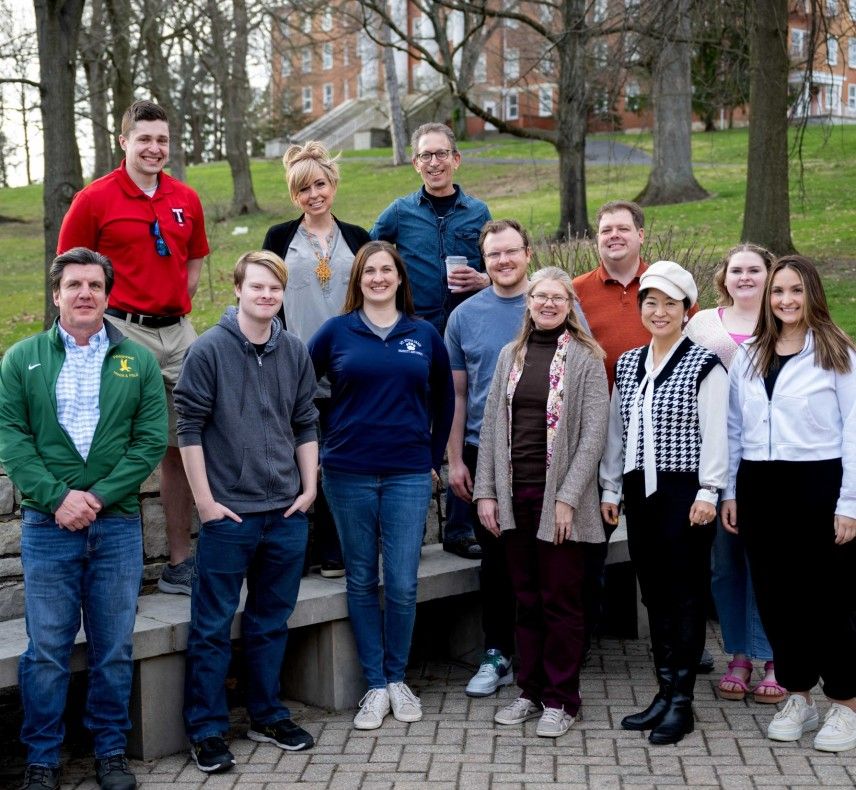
392,400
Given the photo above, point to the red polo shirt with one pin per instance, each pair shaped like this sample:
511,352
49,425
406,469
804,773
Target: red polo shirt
114,216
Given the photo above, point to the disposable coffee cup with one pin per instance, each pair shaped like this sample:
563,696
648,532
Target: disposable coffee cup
454,262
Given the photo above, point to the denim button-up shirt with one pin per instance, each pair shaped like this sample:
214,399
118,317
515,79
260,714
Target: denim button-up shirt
424,240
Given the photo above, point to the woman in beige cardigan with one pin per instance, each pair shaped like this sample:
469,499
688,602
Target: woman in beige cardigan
536,489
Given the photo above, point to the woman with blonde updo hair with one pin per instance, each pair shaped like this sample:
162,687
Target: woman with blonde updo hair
535,490
318,250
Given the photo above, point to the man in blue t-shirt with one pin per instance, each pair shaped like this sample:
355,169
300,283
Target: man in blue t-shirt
476,333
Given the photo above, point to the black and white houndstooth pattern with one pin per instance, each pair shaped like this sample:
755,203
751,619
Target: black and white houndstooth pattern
677,436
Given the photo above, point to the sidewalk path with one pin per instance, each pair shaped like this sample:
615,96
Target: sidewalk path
457,745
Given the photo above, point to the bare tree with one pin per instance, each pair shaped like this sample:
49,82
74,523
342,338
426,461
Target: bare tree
671,179
94,59
766,216
58,27
122,73
393,99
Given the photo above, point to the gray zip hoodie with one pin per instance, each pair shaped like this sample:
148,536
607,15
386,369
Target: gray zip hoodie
249,412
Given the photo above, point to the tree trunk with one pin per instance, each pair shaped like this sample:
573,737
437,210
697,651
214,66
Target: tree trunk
766,216
393,99
571,122
119,14
160,85
235,92
671,179
92,46
58,27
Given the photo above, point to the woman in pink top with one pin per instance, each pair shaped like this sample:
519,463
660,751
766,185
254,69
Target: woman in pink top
740,281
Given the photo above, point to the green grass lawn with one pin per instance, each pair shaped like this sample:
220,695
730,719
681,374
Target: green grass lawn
823,213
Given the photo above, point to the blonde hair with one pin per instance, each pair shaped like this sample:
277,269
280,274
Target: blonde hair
302,162
763,253
572,321
270,260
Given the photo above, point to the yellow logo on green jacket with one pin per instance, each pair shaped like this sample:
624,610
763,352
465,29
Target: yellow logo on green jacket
125,368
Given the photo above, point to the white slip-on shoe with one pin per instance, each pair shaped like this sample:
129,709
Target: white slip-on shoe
838,733
797,717
406,706
373,707
554,722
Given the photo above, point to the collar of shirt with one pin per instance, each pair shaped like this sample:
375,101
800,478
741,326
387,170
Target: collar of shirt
96,341
606,277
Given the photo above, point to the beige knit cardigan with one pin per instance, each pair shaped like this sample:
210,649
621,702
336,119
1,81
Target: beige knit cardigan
578,446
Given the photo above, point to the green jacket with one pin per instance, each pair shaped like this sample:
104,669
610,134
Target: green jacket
129,441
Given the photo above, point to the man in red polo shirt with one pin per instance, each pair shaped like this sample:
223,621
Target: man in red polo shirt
152,228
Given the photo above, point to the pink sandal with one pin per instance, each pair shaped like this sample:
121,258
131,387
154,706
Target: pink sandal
769,699
729,677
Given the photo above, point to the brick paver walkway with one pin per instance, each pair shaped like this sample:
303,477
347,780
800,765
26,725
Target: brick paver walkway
457,744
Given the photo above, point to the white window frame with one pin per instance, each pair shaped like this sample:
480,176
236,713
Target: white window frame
545,101
511,65
798,42
327,56
832,98
599,10
346,90
327,96
327,20
306,60
307,99
480,71
832,51
307,24
632,92
512,106
851,52
285,67
851,96
832,8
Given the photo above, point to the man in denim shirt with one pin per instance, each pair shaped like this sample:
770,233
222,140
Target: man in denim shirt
437,220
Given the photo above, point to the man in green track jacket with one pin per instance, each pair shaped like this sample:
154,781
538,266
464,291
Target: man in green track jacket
82,423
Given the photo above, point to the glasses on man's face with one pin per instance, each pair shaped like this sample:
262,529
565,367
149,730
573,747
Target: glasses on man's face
441,156
544,298
511,252
161,247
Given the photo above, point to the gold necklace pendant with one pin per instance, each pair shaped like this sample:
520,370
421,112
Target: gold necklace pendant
322,270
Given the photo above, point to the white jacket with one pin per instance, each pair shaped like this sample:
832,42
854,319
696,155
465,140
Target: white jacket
811,417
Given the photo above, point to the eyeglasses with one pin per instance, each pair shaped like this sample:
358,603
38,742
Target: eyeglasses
511,252
161,247
441,156
556,300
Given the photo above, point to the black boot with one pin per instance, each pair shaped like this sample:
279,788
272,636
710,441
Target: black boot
678,719
653,714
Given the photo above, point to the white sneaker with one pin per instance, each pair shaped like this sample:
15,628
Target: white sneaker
838,733
373,707
406,706
517,712
553,723
797,717
495,671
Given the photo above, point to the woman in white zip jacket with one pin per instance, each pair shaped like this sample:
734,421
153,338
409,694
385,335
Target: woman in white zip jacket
792,494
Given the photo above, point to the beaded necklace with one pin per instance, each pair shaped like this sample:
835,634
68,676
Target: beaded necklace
322,269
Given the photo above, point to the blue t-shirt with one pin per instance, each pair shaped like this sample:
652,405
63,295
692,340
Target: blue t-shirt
476,332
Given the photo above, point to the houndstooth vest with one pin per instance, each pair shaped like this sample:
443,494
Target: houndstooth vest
675,407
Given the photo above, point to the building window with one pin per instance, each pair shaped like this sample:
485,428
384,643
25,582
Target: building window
346,90
852,6
480,71
307,24
285,66
601,54
545,101
512,107
851,97
307,99
798,39
831,51
327,21
327,56
832,101
511,67
599,13
851,52
328,95
832,7
631,97
306,60
346,54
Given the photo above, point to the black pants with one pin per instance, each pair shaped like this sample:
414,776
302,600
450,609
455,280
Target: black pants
805,584
497,596
672,562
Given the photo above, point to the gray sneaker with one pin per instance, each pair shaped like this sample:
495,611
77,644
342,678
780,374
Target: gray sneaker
176,578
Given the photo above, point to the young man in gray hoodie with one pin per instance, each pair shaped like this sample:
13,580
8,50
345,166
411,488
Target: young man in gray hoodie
246,430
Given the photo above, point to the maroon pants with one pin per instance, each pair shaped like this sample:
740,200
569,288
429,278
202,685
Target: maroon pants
548,583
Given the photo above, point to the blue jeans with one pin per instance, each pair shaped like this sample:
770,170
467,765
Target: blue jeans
731,585
390,509
268,549
98,570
